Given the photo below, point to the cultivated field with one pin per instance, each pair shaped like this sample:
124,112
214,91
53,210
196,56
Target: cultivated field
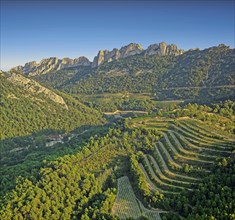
185,152
128,206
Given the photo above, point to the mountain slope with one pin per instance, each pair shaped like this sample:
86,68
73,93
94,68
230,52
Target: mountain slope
210,67
207,75
195,74
135,74
28,107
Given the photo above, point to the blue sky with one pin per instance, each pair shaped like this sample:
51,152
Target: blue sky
32,30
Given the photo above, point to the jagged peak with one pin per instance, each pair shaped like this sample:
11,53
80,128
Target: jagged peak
53,63
163,49
108,56
138,46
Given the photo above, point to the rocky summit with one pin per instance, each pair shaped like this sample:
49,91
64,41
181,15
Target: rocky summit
115,54
162,49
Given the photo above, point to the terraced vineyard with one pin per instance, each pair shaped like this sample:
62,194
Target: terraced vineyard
128,206
184,154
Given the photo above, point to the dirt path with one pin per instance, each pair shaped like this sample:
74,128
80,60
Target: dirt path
127,111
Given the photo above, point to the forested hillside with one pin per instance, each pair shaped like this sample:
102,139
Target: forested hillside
195,74
29,108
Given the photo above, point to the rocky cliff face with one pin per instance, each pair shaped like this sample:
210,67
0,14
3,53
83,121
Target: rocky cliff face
115,54
162,49
34,87
103,56
46,65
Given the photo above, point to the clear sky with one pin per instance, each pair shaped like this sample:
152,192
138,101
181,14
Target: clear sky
32,30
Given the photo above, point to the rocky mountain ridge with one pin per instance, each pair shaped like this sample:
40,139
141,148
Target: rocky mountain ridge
53,63
104,56
161,49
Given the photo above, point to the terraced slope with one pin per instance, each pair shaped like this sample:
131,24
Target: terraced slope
162,176
208,131
128,206
183,154
161,186
202,139
164,167
208,152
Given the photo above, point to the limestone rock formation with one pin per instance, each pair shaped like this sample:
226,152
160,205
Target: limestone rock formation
104,56
108,56
162,49
53,63
130,50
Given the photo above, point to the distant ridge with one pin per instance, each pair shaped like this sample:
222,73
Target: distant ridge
206,74
104,56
